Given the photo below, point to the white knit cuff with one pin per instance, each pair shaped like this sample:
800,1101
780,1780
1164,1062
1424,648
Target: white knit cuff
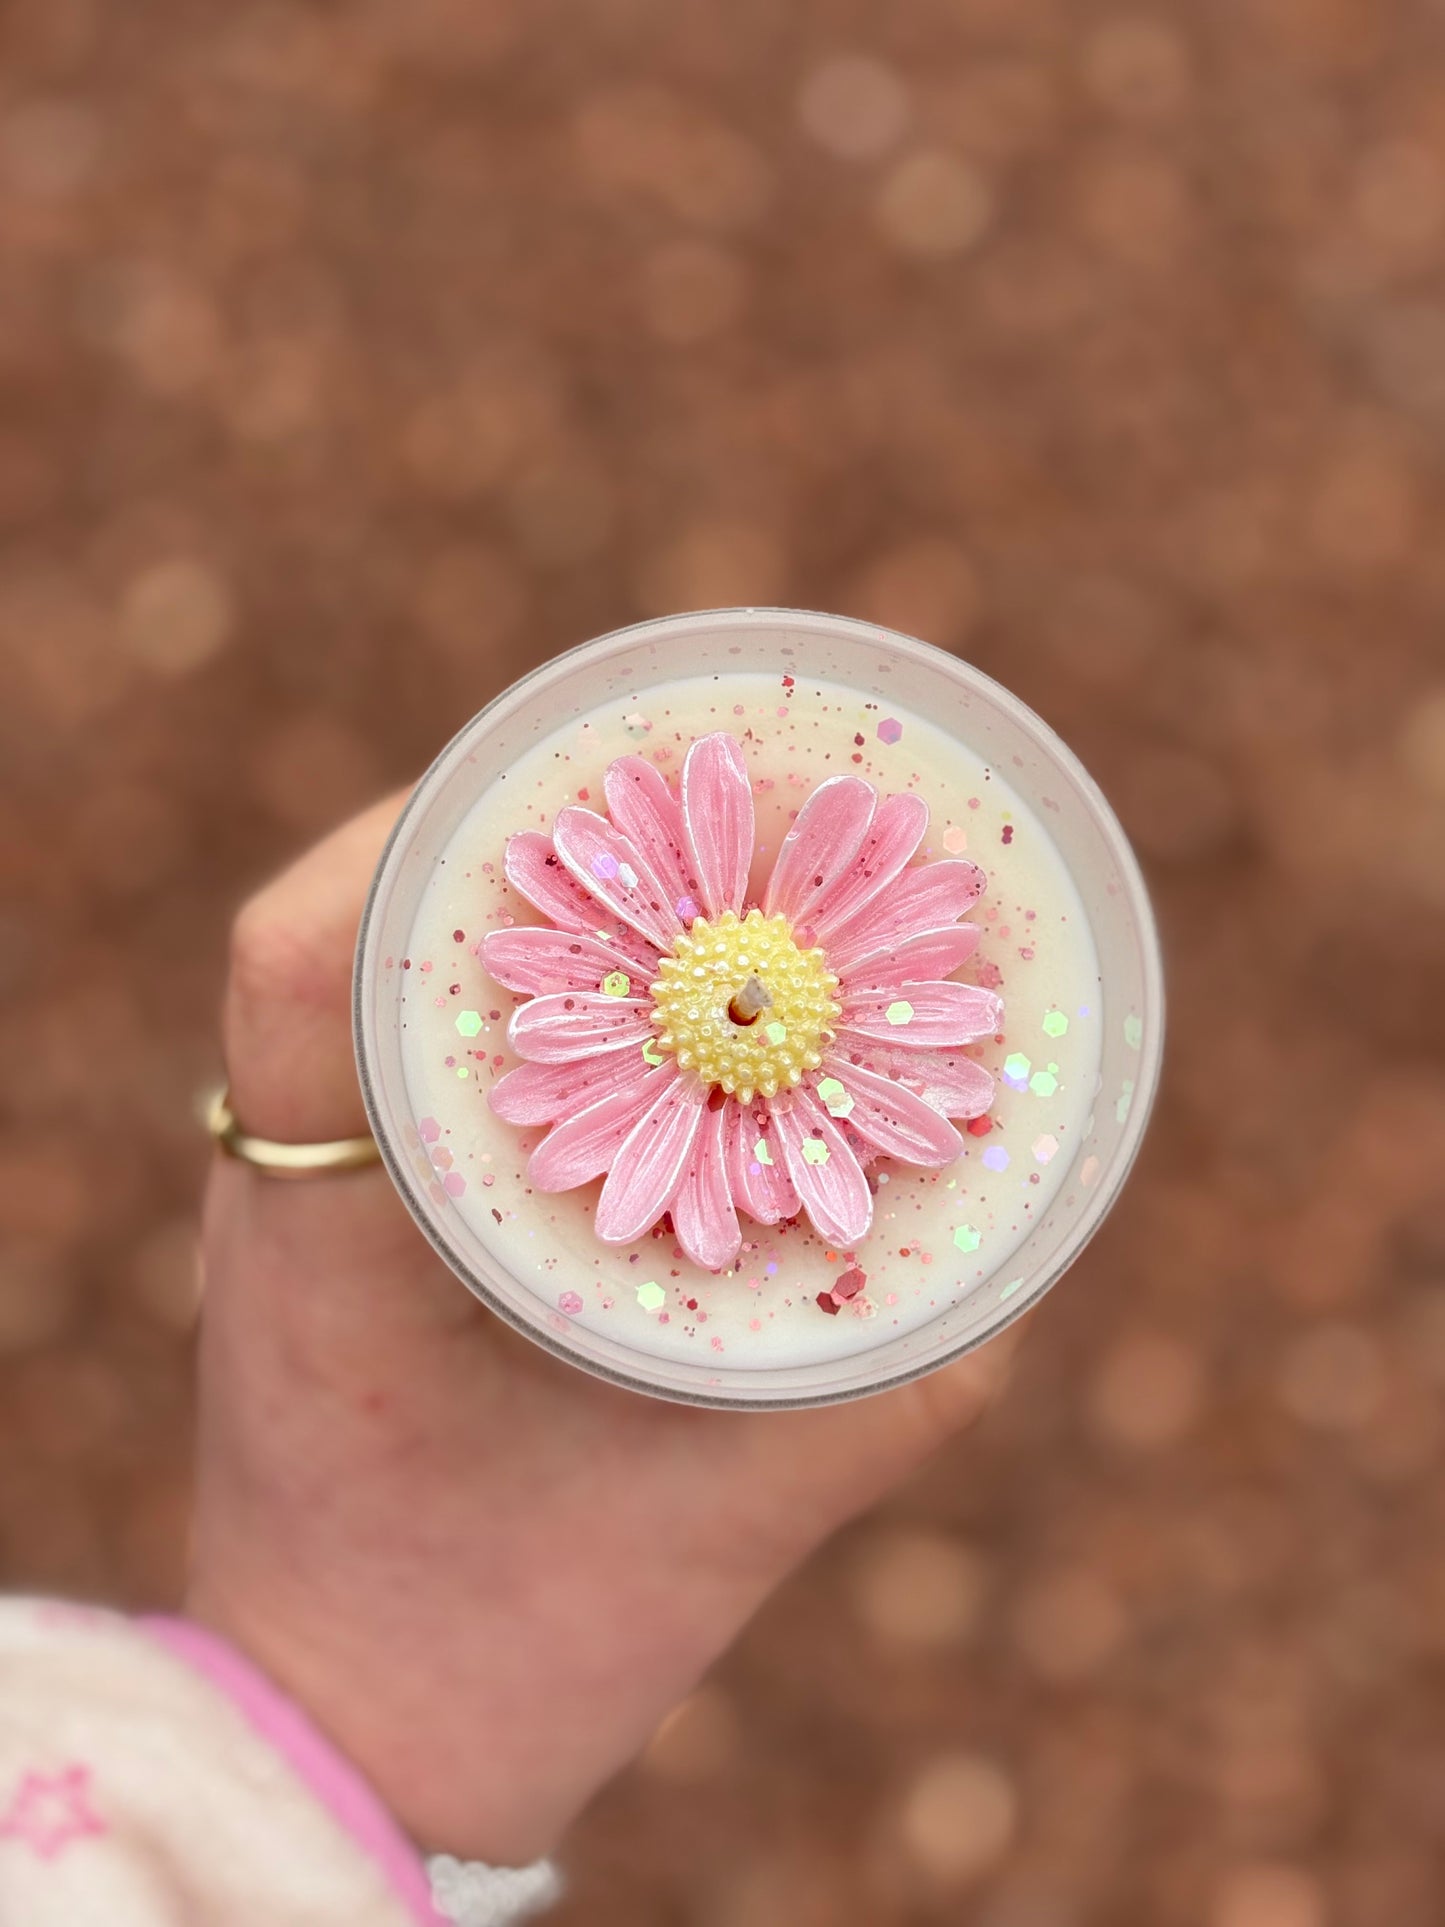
475,1895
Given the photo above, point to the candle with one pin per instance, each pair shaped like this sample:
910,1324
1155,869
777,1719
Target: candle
775,1279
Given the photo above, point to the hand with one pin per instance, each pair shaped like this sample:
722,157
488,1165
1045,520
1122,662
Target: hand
486,1574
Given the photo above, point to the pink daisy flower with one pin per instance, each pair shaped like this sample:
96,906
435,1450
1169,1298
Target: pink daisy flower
705,1054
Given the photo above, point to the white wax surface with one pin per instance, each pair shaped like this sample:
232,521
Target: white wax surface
1037,951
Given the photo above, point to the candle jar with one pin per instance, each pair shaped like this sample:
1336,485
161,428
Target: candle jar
863,1261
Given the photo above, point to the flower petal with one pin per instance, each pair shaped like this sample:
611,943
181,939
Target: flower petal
650,1164
610,867
952,1084
831,1185
702,1212
533,867
923,898
819,846
932,953
550,1030
541,1093
584,1145
895,833
532,958
761,1188
922,1016
645,810
717,814
894,1120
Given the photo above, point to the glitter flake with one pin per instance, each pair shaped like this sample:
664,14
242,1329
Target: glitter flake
835,1097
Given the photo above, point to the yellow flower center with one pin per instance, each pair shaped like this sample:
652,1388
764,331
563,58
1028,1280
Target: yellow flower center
739,1003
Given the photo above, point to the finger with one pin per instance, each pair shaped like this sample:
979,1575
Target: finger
837,1461
885,1437
287,1020
283,1257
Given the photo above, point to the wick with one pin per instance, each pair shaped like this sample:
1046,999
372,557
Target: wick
750,1003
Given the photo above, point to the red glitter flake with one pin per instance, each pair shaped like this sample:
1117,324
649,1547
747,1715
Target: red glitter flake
459,936
979,1126
828,1303
850,1283
1008,832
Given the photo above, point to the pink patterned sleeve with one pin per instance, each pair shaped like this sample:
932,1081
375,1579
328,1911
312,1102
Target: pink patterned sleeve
149,1775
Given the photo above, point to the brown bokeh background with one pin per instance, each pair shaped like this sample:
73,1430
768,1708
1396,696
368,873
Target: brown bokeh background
355,357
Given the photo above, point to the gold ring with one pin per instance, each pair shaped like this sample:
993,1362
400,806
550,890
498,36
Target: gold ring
285,1160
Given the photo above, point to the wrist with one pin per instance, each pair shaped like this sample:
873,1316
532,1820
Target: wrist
444,1798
